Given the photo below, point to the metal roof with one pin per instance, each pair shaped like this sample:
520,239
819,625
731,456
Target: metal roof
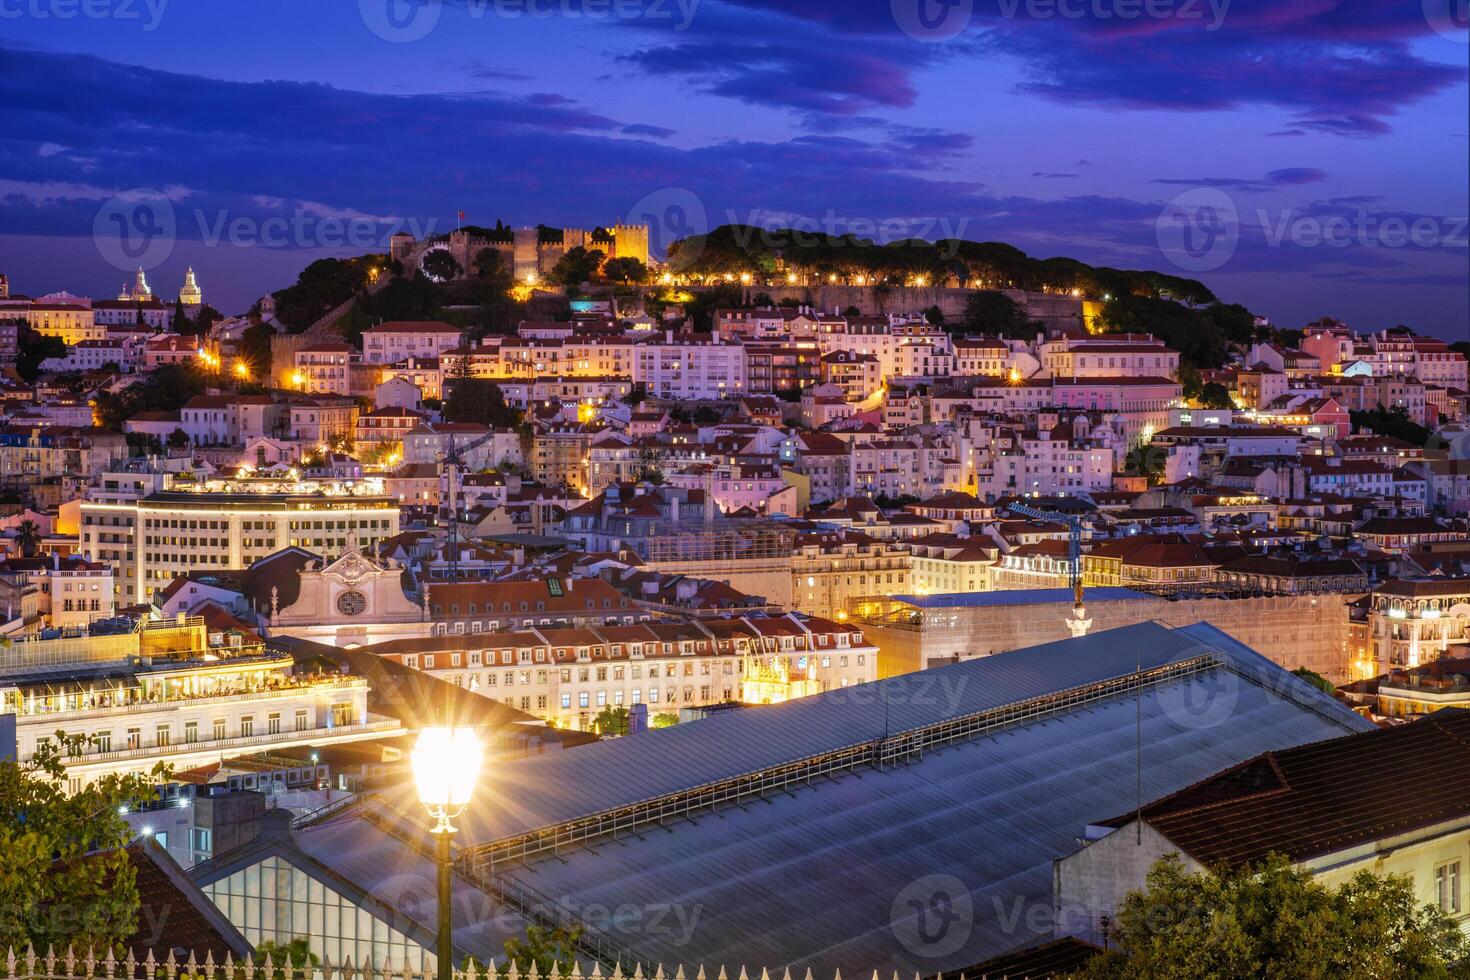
824,871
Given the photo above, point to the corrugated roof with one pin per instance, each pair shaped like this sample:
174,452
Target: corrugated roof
833,872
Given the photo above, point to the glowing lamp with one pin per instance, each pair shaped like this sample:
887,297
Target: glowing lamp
446,766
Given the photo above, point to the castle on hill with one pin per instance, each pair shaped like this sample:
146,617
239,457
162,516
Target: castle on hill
530,252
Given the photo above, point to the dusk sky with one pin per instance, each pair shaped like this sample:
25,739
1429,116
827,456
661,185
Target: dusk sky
1012,121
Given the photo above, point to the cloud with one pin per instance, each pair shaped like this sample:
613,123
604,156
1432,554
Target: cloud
1284,177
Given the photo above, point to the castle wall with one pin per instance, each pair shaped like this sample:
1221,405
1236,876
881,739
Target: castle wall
1056,311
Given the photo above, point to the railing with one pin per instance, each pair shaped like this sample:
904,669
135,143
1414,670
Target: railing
162,752
892,749
30,965
145,704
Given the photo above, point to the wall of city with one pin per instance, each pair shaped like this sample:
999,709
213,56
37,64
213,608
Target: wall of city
1293,631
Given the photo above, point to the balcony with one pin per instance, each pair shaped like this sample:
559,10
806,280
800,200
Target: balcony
221,746
143,705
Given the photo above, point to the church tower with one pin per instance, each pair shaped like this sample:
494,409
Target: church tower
140,291
189,293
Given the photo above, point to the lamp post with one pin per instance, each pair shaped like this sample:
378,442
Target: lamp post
446,764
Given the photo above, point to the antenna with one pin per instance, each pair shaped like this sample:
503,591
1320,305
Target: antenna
1138,745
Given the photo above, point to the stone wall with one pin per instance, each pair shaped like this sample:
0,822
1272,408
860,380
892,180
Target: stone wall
1293,631
1056,311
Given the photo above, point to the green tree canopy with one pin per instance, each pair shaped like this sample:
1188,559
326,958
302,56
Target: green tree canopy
50,895
625,269
441,265
576,266
544,949
31,349
1276,920
991,311
1215,395
165,389
479,400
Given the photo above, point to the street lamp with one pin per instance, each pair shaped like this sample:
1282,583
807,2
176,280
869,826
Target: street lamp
446,765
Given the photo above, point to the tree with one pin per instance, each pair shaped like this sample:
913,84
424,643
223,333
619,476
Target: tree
52,897
611,721
991,311
1145,460
1391,422
576,266
296,955
1274,920
544,949
182,324
28,538
665,719
441,265
1189,380
626,269
31,349
1215,395
490,264
178,439
479,400
934,315
650,465
1315,679
165,389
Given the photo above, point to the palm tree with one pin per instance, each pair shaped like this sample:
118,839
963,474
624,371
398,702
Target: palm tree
28,537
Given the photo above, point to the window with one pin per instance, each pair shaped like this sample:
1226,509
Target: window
301,720
273,723
247,726
219,729
191,731
1447,887
161,735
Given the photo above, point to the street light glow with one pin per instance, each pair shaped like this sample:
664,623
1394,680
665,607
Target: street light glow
446,765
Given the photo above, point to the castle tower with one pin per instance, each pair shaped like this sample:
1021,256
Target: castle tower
4,287
189,293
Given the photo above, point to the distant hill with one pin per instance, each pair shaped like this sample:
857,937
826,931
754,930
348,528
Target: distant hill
746,248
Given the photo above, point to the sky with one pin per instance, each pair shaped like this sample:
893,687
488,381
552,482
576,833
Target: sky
1303,157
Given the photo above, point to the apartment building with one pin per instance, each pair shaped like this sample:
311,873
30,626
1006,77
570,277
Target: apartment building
178,692
323,369
690,368
220,524
399,340
568,675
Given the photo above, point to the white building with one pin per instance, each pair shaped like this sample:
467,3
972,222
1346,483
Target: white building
677,368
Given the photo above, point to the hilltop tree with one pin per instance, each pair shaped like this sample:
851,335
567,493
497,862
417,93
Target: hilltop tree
625,269
441,265
990,311
576,266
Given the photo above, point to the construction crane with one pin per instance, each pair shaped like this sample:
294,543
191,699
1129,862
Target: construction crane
1074,526
449,508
